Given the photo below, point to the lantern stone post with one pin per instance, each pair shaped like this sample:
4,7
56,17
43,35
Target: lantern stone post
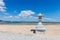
40,27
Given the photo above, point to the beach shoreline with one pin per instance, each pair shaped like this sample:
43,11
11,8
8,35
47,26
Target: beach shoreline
51,30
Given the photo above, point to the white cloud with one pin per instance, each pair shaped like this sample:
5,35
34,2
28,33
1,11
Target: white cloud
26,13
49,19
2,3
8,16
2,6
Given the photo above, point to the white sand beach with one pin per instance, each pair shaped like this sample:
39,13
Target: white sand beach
12,36
52,30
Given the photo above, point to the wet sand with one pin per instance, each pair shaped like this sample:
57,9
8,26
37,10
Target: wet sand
52,30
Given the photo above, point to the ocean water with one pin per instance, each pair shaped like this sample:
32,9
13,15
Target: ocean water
8,22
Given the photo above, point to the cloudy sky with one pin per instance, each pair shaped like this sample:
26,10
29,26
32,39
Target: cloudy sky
27,10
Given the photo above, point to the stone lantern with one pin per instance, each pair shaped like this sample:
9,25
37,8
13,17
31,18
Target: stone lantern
40,27
40,17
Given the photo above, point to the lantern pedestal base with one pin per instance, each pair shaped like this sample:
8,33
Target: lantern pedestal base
39,28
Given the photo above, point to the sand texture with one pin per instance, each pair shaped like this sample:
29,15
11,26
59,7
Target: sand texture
52,30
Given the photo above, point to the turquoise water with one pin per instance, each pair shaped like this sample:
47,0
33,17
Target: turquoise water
8,22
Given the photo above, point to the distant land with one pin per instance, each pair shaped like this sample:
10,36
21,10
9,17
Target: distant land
25,22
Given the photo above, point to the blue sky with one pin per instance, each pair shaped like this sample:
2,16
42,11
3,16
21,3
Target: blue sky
27,10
